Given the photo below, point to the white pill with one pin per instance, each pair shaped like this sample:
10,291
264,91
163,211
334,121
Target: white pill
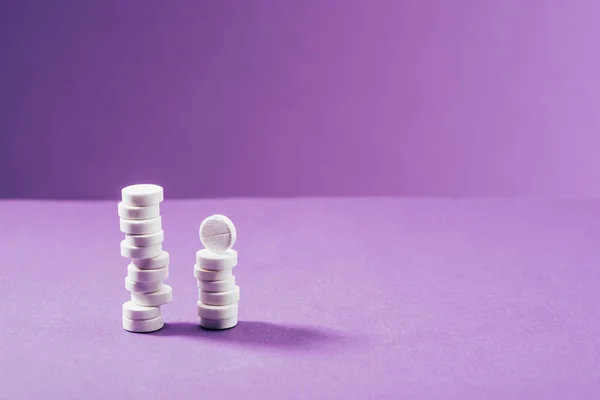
154,299
142,195
217,286
210,275
145,240
136,274
141,226
137,312
143,326
217,312
142,287
127,211
217,233
129,251
218,324
206,259
220,298
152,263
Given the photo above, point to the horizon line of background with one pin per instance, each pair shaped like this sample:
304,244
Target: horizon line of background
300,99
115,199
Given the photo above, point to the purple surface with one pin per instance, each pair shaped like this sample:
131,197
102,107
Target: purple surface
413,97
340,298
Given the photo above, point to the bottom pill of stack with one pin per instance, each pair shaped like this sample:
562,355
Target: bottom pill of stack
218,324
141,319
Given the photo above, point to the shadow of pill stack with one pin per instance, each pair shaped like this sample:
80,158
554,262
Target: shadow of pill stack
139,211
218,293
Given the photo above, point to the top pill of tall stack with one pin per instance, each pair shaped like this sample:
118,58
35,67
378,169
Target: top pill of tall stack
142,195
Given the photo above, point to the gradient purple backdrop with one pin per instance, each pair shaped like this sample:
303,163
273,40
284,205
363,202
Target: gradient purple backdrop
271,98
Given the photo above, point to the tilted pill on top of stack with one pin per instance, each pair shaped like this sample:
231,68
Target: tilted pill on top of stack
218,233
217,290
140,221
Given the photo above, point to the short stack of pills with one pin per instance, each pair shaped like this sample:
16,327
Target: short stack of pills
218,293
141,223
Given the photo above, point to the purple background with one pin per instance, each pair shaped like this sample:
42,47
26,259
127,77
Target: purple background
341,298
447,299
316,97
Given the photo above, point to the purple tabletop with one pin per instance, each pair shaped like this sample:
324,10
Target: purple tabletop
340,299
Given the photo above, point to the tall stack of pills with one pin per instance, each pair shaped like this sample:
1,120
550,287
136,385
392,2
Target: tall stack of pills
218,293
141,223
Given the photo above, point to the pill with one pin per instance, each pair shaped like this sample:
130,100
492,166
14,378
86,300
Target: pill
217,286
137,312
206,259
136,274
154,299
160,261
127,211
142,194
210,275
217,233
143,326
142,287
145,240
129,251
218,324
141,226
217,312
220,298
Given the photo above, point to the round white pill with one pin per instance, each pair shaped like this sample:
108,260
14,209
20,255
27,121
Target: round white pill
137,312
218,324
210,275
142,195
136,274
217,312
143,326
141,226
142,287
206,259
217,286
145,240
220,298
129,251
127,211
217,233
154,299
152,263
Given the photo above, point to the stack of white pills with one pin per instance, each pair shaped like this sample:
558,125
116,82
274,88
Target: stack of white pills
142,225
219,295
